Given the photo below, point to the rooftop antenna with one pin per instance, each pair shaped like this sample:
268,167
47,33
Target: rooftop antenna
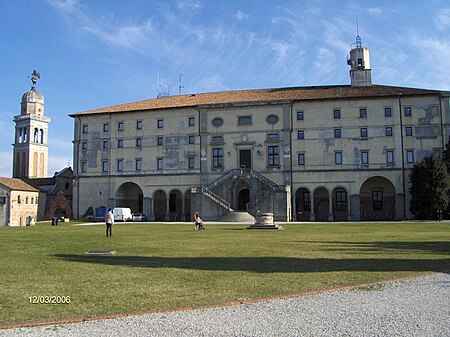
358,38
180,86
162,87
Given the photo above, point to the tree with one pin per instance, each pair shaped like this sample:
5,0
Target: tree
446,156
430,187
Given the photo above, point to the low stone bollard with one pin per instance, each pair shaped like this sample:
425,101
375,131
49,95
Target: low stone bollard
264,221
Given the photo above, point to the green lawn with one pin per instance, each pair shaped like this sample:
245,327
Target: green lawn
161,266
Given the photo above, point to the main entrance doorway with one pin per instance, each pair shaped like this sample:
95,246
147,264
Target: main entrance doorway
243,199
245,159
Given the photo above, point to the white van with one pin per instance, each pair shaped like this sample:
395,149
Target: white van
122,214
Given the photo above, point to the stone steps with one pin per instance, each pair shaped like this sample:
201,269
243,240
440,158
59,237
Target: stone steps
235,216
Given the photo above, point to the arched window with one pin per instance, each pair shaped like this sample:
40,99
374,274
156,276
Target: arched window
36,135
18,199
25,135
42,136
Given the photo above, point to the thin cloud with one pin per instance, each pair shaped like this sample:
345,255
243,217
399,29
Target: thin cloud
442,19
64,5
375,11
186,4
240,15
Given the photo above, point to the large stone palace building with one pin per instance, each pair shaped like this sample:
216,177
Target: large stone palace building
323,153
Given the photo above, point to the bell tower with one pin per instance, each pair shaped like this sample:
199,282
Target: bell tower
359,62
30,148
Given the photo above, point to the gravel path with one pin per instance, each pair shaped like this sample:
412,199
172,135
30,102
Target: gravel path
416,307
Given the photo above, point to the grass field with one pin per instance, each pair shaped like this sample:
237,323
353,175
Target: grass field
161,266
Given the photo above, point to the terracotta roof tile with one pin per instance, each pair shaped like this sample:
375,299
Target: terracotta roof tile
264,95
17,184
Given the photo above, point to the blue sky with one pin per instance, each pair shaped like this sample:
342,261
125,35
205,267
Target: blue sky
97,53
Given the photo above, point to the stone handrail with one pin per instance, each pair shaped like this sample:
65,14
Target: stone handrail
214,197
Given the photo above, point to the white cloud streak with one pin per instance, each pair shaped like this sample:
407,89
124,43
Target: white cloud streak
285,53
442,19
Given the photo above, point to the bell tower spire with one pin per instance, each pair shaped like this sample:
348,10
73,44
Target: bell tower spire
359,62
30,148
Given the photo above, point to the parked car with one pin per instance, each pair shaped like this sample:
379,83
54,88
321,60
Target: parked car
139,217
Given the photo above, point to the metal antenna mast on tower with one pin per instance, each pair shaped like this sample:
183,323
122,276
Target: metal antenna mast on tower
358,38
180,86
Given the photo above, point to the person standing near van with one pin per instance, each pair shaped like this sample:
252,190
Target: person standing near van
109,218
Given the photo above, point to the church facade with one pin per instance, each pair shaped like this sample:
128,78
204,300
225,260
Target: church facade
323,153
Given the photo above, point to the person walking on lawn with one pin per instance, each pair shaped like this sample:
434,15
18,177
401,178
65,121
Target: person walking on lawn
109,218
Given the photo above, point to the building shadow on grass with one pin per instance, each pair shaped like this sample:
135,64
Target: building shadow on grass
265,264
434,247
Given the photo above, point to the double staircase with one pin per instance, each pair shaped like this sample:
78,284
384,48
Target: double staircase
220,191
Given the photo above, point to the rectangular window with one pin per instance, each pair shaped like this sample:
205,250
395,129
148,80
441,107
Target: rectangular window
363,132
300,115
191,121
360,62
388,131
217,157
139,142
160,123
387,112
338,158
84,166
120,143
2,200
191,163
217,139
337,114
85,129
120,165
191,139
159,164
306,201
300,134
410,156
104,166
390,157
408,131
365,157
408,111
105,145
363,113
301,159
105,127
160,141
337,133
138,125
272,136
138,164
245,120
273,155
120,126
341,201
377,200
84,146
